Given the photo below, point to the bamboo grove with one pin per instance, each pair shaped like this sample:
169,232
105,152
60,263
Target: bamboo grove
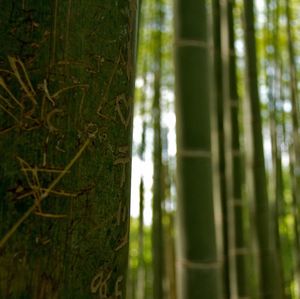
225,216
215,184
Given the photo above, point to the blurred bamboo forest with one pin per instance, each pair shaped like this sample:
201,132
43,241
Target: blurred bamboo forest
222,219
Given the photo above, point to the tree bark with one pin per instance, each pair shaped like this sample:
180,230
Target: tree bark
66,90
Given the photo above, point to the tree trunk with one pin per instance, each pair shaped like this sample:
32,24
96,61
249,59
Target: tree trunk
65,141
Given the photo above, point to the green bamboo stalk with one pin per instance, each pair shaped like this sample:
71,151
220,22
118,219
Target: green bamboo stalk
269,278
170,256
221,142
295,209
66,86
289,243
157,227
295,147
276,184
238,251
141,264
199,266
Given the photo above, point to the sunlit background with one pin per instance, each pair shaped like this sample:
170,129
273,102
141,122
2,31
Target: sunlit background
140,282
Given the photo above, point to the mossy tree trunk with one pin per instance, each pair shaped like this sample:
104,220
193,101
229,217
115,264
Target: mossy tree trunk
65,142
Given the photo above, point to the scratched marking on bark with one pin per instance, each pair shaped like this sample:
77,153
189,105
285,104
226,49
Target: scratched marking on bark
124,109
118,289
41,195
32,178
122,219
106,92
21,108
100,282
9,100
123,159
